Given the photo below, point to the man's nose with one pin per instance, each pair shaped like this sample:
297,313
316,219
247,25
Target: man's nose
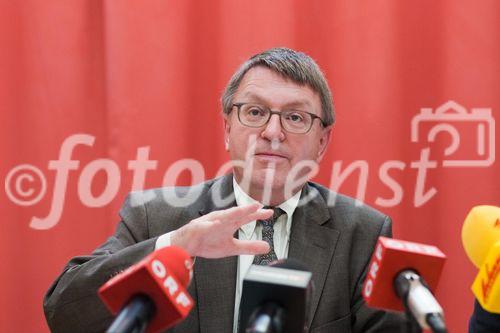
273,129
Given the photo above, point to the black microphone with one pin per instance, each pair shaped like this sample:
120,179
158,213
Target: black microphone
135,316
276,298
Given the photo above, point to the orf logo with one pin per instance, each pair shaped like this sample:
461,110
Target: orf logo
170,284
373,271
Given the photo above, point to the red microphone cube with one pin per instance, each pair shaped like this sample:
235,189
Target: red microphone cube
392,256
154,277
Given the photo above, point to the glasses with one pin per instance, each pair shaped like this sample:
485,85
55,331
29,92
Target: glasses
256,115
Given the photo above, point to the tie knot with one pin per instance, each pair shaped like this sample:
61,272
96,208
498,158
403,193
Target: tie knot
277,213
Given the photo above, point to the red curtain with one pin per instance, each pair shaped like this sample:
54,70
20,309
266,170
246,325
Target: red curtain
136,74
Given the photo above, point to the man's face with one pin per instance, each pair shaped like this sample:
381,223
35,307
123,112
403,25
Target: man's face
275,150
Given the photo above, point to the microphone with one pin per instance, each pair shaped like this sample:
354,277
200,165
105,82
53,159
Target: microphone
276,298
150,295
481,240
395,281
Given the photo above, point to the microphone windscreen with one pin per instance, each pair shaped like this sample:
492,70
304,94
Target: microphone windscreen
481,240
481,230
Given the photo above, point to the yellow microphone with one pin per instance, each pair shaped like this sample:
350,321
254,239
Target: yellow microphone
481,240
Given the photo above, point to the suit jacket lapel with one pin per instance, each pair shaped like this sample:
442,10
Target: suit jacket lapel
312,243
216,278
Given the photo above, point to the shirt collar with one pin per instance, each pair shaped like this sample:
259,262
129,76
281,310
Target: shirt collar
242,199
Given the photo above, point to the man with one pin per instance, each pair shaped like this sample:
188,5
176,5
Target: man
278,116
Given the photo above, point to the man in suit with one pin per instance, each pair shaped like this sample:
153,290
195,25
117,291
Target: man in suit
278,115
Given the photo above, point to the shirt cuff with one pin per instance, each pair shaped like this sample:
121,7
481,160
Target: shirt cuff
163,241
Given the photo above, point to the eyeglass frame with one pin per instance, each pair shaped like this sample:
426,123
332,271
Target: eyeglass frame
271,113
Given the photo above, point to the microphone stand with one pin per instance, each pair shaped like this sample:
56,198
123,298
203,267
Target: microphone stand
134,317
412,326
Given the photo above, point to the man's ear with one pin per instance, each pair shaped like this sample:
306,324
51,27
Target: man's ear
323,142
227,130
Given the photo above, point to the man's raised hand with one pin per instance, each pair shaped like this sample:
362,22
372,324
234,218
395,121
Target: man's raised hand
212,235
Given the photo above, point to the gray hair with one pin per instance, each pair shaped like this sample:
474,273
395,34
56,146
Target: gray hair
293,65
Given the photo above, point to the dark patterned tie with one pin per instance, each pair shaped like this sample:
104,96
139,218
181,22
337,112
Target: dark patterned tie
267,235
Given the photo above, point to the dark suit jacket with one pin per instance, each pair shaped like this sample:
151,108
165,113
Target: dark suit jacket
334,241
483,321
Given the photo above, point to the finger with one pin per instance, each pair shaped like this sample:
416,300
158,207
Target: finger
261,214
251,247
234,213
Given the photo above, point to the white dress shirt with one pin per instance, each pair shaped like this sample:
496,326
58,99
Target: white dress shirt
252,231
